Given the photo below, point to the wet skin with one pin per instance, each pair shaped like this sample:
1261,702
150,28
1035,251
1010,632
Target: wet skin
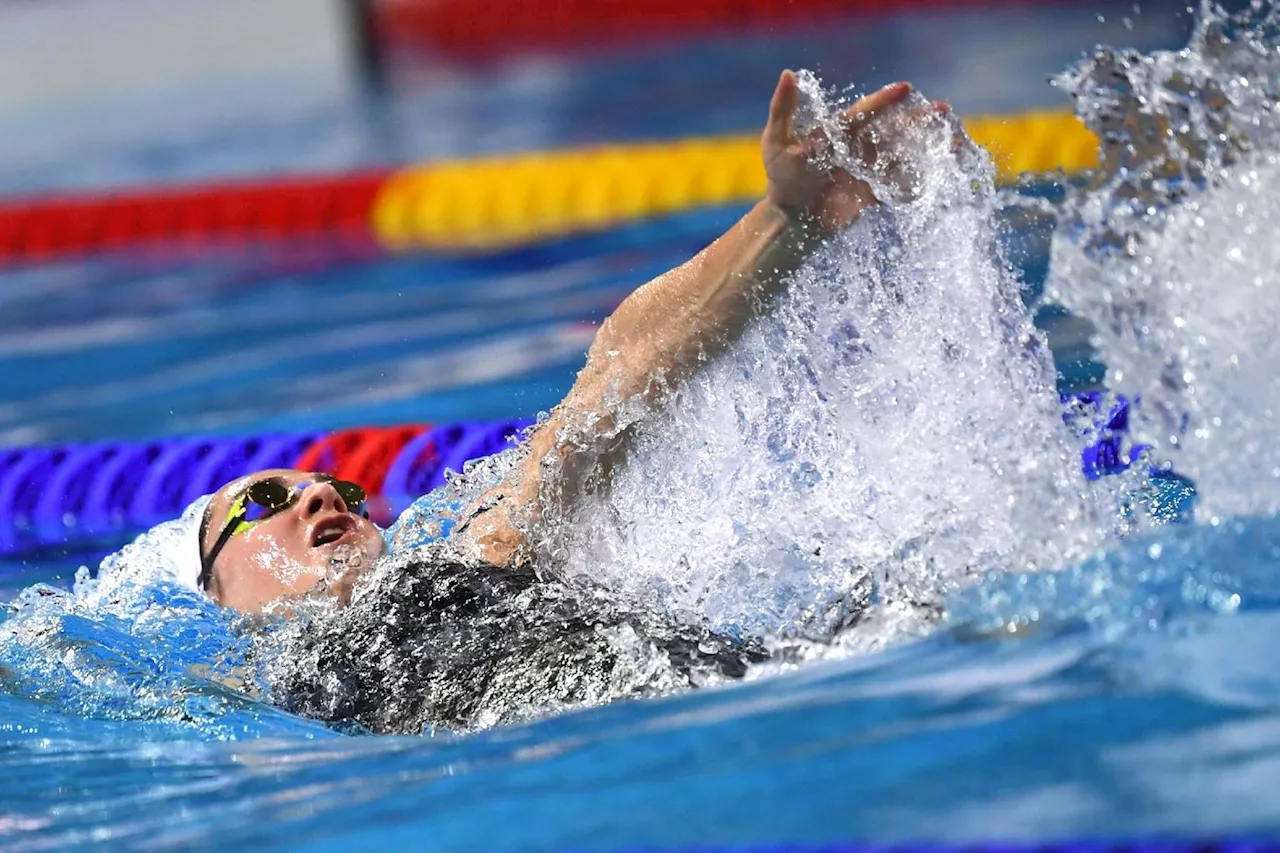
317,543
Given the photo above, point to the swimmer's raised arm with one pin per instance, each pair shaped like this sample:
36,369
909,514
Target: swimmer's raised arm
672,323
664,330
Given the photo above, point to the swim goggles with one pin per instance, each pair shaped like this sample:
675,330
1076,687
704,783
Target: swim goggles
267,497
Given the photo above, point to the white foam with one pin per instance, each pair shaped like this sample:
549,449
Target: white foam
895,420
1174,257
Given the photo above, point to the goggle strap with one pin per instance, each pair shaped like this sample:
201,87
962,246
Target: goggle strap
206,568
228,530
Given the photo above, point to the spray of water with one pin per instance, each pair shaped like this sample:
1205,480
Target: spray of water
893,425
130,644
1171,251
891,429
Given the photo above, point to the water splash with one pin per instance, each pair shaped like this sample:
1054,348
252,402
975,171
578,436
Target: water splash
889,432
131,645
893,423
1170,253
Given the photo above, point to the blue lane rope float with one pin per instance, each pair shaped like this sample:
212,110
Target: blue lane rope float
76,494
414,471
65,495
1108,454
478,441
232,459
21,483
69,495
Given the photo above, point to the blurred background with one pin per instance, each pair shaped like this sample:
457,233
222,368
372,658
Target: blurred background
245,232
110,93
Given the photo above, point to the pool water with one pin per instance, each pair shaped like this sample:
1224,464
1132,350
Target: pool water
1045,738
1131,692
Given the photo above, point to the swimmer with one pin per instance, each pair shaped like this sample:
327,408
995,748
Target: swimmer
476,628
276,535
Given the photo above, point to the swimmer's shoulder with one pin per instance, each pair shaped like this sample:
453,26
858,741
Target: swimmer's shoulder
488,530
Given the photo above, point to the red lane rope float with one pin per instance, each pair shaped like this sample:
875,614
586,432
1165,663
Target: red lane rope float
476,28
78,494
362,456
43,228
368,465
466,205
368,462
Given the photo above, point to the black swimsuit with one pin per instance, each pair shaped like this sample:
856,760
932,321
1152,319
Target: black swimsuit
440,640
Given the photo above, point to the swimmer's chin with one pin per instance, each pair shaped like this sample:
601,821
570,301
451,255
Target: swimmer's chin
349,564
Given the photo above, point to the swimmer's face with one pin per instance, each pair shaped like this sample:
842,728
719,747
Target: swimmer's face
317,538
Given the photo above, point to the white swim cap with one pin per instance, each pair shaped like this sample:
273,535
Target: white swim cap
170,552
186,561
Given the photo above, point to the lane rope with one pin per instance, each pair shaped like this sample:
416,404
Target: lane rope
469,205
502,201
61,495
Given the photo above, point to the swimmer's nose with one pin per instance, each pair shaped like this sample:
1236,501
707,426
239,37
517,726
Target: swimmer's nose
321,497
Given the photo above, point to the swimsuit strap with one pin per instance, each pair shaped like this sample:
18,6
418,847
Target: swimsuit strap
478,510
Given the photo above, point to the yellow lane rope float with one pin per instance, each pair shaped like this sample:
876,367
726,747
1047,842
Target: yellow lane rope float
500,201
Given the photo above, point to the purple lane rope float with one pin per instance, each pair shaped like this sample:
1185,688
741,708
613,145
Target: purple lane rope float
64,496
72,495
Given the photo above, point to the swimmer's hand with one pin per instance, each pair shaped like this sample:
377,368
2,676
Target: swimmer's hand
805,190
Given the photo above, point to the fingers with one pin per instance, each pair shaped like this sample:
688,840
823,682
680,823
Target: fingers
786,97
867,108
937,108
958,138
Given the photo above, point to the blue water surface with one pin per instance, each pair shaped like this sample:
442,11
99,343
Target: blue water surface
1134,695
1150,709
